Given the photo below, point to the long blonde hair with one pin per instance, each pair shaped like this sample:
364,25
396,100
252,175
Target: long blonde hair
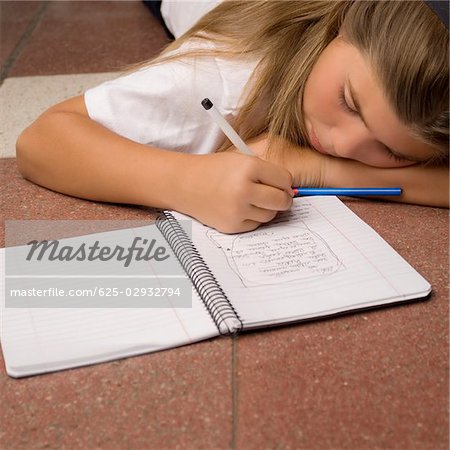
405,43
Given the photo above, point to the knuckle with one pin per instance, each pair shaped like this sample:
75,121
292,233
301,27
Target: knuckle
227,226
283,201
227,229
270,215
234,212
240,192
250,165
249,226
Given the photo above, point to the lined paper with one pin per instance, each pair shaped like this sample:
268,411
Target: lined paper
38,340
317,259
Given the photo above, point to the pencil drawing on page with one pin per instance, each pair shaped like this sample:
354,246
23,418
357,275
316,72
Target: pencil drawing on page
280,253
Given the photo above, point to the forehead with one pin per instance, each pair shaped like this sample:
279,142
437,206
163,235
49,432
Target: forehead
356,72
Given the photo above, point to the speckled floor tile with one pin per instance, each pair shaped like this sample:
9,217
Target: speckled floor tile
64,40
23,99
15,18
177,399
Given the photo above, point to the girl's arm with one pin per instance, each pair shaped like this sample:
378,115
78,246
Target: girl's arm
68,152
421,185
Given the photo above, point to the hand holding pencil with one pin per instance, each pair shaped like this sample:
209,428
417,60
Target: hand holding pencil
232,192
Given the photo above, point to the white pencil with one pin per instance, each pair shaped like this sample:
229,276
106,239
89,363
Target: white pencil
230,133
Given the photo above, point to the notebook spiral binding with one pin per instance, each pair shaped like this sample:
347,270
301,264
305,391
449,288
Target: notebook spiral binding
212,295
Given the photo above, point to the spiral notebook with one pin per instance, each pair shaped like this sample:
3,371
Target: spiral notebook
317,259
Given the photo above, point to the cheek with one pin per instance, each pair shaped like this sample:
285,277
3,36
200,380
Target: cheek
321,98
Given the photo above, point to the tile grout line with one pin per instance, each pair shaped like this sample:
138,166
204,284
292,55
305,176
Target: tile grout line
234,393
22,42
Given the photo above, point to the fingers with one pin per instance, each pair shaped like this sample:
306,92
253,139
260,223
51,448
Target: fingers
247,219
273,175
269,192
269,198
260,215
255,217
247,225
239,192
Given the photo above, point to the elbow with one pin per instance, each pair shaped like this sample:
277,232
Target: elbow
31,145
37,147
24,154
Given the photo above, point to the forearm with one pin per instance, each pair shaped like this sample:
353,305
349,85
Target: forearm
420,185
69,153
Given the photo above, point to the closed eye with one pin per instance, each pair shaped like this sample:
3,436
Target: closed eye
398,158
352,107
343,103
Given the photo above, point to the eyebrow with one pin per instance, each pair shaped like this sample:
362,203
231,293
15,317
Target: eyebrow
358,109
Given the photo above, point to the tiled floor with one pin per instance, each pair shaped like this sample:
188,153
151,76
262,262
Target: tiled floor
25,98
377,380
94,40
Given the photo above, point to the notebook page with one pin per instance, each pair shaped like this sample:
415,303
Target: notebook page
37,340
317,259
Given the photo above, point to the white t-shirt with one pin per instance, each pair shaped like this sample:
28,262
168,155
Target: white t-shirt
160,105
180,15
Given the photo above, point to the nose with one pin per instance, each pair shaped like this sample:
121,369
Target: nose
352,142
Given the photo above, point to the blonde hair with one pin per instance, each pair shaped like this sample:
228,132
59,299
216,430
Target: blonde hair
406,45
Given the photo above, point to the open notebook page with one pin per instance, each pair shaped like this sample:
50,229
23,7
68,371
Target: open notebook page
317,259
38,340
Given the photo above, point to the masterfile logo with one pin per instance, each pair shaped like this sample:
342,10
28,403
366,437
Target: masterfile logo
56,264
52,250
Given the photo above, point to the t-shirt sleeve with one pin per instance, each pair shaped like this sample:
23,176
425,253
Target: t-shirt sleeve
160,105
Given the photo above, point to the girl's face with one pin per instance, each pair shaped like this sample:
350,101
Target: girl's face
348,116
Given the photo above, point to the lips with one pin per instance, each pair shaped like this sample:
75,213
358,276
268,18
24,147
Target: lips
316,143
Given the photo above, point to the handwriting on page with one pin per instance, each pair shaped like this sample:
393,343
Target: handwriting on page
277,254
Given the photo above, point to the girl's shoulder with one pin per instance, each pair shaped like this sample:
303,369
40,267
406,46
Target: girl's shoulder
161,103
195,66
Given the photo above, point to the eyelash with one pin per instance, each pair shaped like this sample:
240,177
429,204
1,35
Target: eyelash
344,103
396,158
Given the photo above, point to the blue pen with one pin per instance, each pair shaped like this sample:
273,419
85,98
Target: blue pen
299,191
